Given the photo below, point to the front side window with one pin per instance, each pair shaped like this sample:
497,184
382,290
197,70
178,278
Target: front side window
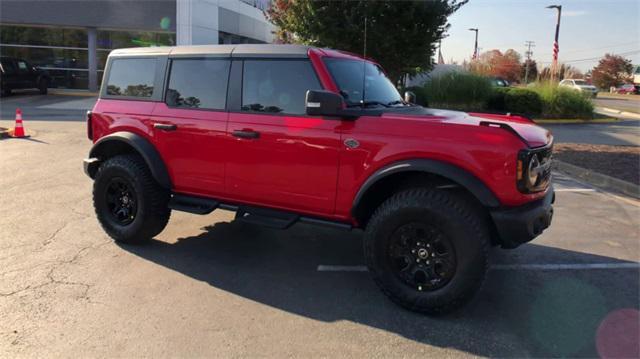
22,65
277,86
355,87
198,83
132,77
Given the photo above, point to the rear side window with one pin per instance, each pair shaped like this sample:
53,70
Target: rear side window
277,86
131,77
198,83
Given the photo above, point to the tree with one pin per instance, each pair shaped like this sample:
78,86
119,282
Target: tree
612,70
401,35
496,64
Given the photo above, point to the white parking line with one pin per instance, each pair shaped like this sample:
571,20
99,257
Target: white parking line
540,266
575,190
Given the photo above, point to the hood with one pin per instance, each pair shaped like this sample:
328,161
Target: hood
525,129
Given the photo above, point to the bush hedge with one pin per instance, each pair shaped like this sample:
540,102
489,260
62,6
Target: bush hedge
467,92
563,103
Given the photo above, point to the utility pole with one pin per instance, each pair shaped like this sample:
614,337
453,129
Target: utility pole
556,46
475,47
528,54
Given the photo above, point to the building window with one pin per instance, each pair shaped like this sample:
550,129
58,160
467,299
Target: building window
64,53
131,77
198,83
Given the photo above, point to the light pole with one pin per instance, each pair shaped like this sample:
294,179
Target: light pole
475,47
556,46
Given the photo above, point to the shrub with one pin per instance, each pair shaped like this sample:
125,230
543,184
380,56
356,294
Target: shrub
459,91
559,102
496,100
523,101
421,96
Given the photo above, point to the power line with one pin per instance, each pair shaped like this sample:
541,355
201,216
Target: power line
597,58
597,48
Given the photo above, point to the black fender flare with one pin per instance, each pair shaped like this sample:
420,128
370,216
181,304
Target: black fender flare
446,170
143,147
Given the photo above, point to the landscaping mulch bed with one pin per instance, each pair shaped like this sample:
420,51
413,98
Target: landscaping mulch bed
621,162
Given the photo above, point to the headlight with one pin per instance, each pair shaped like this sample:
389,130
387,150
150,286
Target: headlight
533,170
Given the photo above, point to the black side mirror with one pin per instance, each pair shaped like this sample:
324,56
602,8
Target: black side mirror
323,103
409,97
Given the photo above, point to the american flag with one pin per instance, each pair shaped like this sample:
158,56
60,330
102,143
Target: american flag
556,49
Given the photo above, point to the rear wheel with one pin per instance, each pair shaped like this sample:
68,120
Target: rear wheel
427,250
130,205
43,86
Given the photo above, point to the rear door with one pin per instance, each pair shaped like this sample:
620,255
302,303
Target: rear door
26,74
280,157
10,75
190,124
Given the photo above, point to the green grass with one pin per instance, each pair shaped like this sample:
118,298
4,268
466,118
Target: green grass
459,91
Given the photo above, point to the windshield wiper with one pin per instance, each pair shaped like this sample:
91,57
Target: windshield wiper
396,102
367,104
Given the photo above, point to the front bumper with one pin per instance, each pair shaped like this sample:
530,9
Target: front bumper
90,166
519,225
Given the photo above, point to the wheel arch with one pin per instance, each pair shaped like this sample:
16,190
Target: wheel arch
124,142
388,179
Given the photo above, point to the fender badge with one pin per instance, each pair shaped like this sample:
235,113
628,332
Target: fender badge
351,143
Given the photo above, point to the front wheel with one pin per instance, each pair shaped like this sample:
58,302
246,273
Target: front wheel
427,250
130,205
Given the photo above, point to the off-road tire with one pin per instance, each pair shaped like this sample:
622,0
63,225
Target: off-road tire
460,222
152,200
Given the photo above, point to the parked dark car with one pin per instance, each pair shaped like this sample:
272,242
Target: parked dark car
19,74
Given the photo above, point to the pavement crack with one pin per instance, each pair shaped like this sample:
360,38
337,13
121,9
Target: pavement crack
52,280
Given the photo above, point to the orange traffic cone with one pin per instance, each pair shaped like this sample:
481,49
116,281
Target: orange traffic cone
18,131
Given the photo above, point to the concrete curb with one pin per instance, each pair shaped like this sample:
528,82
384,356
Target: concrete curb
598,179
609,110
577,121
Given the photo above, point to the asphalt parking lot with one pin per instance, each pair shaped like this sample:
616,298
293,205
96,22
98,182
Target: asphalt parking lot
208,286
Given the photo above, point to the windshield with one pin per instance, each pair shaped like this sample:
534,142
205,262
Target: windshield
348,75
581,82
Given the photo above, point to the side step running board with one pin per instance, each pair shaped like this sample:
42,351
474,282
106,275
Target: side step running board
255,215
192,204
266,217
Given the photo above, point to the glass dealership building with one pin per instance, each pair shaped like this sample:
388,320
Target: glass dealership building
71,39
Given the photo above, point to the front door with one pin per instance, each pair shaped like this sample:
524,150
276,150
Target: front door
278,156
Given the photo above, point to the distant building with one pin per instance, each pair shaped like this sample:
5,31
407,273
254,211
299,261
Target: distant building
72,38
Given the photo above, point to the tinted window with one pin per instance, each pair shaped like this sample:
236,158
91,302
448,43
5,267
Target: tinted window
277,86
198,83
131,77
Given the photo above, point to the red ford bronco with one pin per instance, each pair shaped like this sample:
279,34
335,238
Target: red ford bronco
284,134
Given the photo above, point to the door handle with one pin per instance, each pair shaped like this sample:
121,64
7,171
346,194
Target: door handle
165,127
246,134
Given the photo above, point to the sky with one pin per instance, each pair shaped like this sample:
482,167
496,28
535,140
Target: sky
588,29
